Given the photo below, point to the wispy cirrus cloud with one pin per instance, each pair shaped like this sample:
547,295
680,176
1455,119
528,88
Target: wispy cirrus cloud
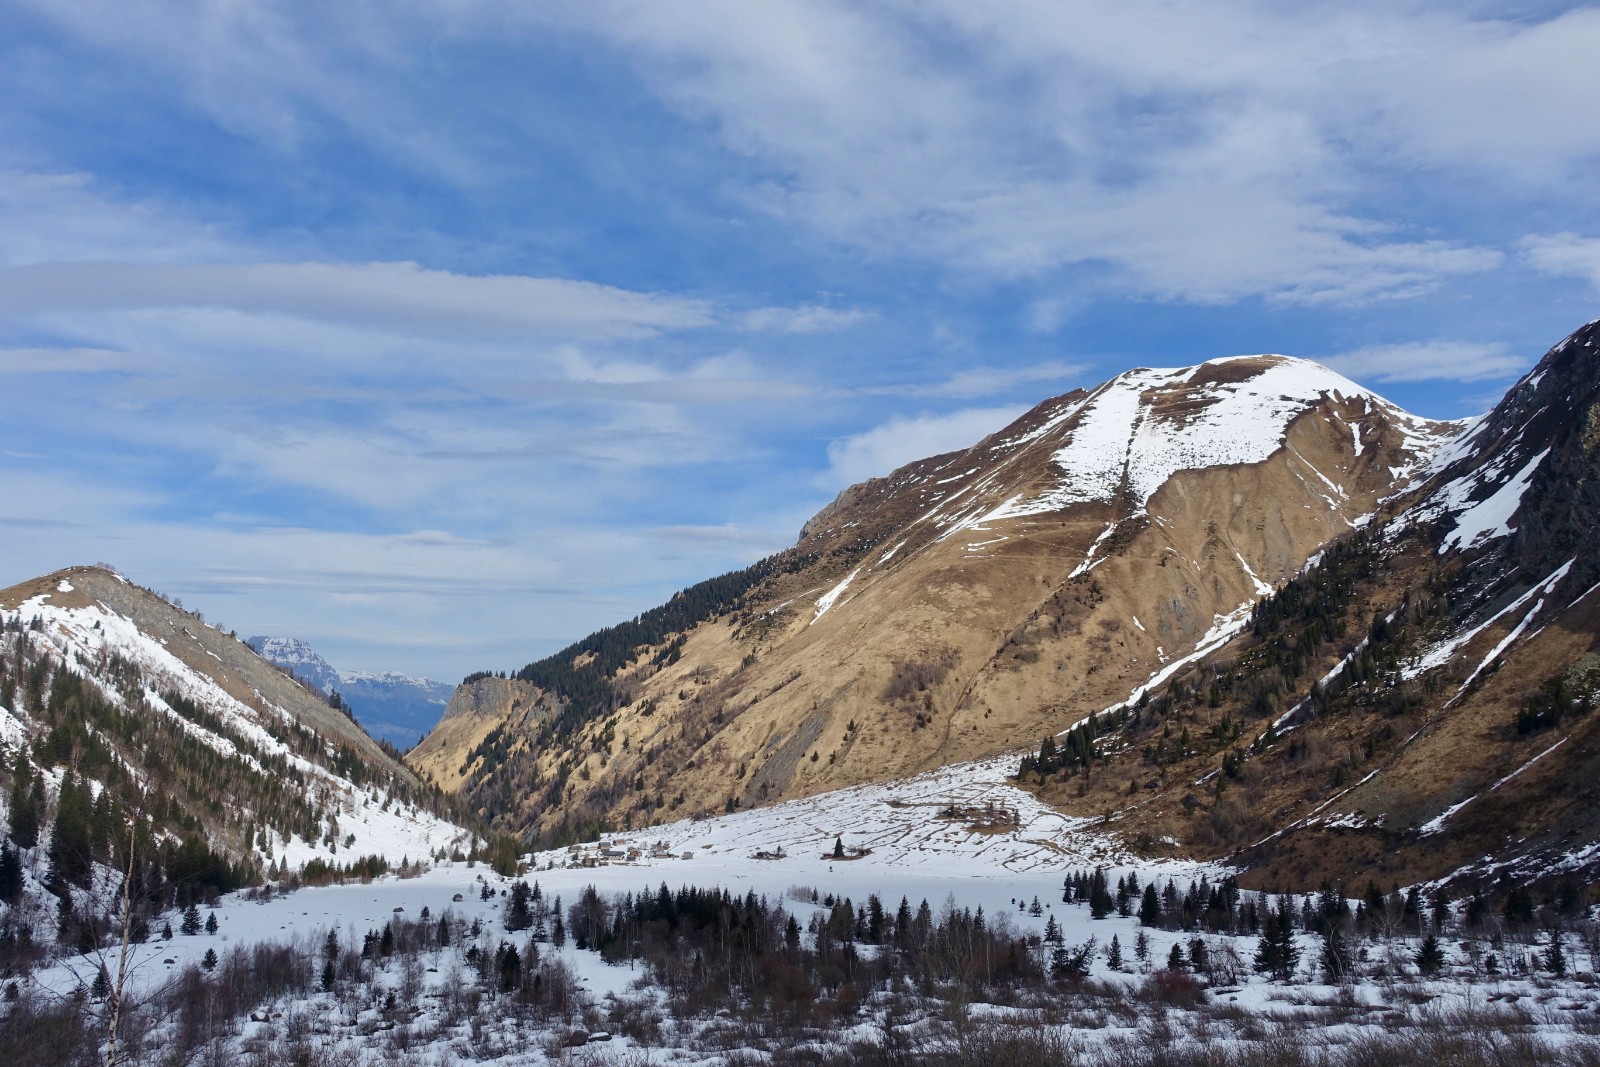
813,318
1022,139
1564,255
901,440
401,297
1429,361
976,382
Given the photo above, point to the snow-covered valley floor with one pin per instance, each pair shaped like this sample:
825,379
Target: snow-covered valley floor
429,1003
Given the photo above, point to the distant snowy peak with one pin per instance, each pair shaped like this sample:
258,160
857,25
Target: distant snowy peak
395,678
299,658
391,705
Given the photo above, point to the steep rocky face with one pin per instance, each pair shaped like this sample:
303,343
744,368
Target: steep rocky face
1531,467
970,603
449,755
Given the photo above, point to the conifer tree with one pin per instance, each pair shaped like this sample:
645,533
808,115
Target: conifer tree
1198,959
10,875
1150,907
518,914
209,960
1114,954
211,923
509,964
71,850
1430,957
26,805
1101,903
191,920
1555,959
1276,953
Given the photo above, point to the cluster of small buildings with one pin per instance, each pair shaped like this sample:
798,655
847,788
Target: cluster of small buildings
605,853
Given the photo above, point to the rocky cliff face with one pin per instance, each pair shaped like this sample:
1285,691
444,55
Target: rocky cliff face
449,756
967,604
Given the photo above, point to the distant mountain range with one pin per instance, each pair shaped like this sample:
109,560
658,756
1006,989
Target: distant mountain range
391,706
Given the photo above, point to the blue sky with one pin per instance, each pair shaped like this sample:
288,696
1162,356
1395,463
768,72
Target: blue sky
441,333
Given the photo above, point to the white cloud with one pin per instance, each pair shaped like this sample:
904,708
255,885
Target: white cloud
1205,150
402,297
63,361
1201,151
1564,255
462,603
899,441
982,381
52,215
813,318
1429,361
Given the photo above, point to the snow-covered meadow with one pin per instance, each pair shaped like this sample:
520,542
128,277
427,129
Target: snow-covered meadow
901,843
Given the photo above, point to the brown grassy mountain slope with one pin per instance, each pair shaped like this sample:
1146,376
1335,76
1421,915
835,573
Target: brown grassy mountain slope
1419,706
962,607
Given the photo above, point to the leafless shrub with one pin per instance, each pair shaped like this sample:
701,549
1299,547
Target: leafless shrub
911,678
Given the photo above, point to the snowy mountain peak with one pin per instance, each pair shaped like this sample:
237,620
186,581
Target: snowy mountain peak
299,658
1129,436
1102,542
391,705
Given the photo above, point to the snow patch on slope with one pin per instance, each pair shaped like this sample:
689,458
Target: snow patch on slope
1117,448
1489,518
831,597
